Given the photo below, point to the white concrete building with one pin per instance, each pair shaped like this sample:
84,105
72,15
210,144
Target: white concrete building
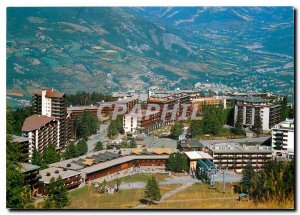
283,135
41,131
141,122
249,106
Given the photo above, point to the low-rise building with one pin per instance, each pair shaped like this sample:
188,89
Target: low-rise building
109,164
41,131
235,157
31,174
71,178
283,135
194,156
191,145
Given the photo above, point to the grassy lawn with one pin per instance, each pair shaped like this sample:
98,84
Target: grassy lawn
143,177
86,197
201,196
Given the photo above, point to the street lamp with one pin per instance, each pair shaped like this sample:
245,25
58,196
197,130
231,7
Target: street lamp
223,171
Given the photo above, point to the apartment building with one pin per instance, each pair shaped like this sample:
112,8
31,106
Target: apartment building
156,92
248,107
234,156
283,135
51,103
31,174
172,107
142,121
23,145
108,108
41,131
209,101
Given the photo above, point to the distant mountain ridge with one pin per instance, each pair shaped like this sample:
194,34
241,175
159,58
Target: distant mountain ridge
113,49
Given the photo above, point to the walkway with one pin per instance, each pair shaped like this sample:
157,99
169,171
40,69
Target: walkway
172,192
179,189
100,136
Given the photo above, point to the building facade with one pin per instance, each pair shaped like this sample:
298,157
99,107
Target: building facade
51,103
41,131
236,157
247,108
23,145
141,122
108,108
31,174
283,135
171,107
209,101
71,178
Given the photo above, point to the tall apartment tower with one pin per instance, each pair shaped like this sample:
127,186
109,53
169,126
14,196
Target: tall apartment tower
248,107
51,103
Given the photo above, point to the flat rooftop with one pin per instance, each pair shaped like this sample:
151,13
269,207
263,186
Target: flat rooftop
81,108
54,172
251,99
107,158
26,167
237,148
190,143
198,155
19,139
288,124
158,142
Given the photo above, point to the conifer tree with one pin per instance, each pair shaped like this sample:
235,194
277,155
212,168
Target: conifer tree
57,194
152,191
50,155
36,158
71,151
257,122
176,130
99,146
247,178
239,121
14,178
82,147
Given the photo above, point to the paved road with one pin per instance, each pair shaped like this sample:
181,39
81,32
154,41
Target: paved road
100,136
243,140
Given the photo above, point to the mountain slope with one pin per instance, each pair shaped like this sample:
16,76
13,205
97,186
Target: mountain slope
109,49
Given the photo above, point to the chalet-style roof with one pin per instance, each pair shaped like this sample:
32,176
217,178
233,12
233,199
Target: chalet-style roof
50,93
35,122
